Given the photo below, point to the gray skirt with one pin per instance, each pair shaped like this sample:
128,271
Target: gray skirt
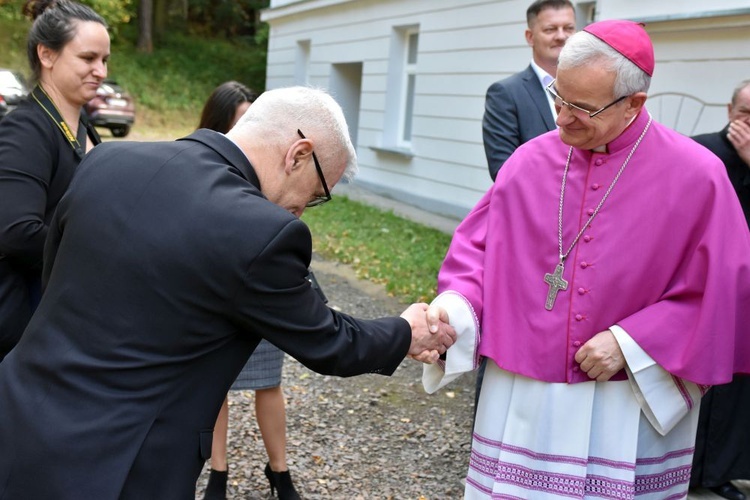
262,370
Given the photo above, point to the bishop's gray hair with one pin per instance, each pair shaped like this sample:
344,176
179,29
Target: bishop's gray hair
583,48
279,113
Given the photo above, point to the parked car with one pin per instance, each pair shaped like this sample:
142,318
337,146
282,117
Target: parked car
112,108
13,88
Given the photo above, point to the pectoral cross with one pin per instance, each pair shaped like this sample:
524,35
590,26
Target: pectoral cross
556,283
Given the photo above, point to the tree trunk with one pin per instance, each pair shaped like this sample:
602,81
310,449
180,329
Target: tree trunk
161,12
145,26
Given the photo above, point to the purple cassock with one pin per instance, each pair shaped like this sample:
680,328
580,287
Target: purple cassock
666,258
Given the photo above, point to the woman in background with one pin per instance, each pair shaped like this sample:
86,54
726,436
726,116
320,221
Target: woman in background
262,373
41,143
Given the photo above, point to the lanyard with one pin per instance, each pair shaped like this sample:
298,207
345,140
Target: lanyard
44,101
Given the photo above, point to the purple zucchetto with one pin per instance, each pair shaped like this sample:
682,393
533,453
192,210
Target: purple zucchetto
628,38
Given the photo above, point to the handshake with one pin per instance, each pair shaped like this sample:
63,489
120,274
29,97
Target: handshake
431,335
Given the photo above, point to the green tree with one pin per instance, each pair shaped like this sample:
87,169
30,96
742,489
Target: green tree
228,18
115,12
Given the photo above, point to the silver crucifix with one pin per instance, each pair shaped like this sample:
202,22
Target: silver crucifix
556,283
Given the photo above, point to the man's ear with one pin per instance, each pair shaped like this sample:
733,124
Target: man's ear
635,103
297,154
47,56
529,37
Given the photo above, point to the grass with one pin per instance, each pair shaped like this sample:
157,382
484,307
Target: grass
380,246
170,87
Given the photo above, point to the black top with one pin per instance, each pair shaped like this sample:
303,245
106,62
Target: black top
738,170
36,166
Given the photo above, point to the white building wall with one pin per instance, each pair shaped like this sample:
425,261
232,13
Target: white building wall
466,45
702,51
667,9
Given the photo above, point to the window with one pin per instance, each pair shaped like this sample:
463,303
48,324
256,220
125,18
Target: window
302,63
410,74
585,14
401,89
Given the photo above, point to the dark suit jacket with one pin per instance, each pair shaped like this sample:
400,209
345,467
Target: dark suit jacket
164,268
516,110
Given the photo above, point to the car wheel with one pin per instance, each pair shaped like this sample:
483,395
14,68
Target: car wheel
120,131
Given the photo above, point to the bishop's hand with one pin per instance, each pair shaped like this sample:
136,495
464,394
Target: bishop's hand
601,357
431,335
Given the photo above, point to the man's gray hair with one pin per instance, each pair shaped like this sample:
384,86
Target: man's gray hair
584,48
277,114
739,88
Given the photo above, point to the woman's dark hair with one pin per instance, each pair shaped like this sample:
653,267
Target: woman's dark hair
54,26
221,106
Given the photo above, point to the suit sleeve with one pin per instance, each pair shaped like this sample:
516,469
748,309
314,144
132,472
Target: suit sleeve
26,166
278,303
51,244
500,129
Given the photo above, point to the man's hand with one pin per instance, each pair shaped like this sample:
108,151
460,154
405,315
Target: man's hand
431,335
739,136
601,357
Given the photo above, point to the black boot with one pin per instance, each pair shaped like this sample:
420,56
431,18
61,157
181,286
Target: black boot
281,482
216,489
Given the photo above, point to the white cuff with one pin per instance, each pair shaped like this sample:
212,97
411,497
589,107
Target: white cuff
462,356
664,399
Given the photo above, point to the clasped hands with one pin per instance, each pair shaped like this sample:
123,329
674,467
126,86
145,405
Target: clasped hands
431,335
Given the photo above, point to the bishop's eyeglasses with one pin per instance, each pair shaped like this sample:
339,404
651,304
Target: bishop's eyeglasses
318,200
560,102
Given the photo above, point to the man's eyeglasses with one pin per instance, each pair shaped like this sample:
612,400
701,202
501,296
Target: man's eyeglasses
560,102
318,200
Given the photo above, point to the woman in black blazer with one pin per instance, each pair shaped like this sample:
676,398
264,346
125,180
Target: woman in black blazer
41,143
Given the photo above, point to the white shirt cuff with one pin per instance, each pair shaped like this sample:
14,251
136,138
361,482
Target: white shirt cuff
462,356
664,399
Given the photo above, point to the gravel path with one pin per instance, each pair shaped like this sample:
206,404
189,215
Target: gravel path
367,437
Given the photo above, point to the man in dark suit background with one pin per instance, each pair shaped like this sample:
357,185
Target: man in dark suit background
722,445
732,144
517,109
165,265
